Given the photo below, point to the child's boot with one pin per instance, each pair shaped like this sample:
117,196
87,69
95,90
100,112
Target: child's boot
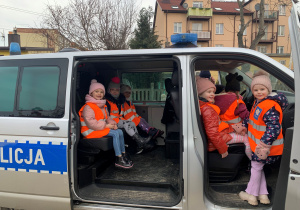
140,140
127,158
252,200
122,163
264,199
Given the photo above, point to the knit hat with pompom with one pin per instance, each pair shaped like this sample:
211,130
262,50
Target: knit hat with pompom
233,82
261,78
114,83
96,85
203,84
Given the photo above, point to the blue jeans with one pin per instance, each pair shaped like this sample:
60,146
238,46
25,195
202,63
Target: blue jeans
118,141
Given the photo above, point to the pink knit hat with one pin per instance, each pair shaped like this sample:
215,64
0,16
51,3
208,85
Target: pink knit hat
203,84
261,78
96,85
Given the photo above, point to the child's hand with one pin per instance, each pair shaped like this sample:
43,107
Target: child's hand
239,129
262,150
224,155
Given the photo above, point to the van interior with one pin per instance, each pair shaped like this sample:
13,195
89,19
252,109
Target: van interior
156,178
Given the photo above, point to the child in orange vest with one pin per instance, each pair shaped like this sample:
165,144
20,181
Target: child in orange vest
265,135
233,109
96,123
114,102
219,134
130,114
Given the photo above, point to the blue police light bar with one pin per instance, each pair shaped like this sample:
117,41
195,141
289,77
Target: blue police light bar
184,38
14,48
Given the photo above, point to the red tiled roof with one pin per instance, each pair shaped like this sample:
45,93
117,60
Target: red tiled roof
167,5
227,7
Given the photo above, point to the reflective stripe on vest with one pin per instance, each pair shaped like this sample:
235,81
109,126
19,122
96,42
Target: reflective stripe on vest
257,127
130,114
229,115
99,116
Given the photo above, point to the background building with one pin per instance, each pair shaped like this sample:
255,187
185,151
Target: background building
218,22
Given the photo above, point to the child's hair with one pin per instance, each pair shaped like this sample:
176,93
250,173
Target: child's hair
261,78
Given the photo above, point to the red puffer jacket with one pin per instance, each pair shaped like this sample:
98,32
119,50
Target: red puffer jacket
216,140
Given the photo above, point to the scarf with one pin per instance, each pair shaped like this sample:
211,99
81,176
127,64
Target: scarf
99,103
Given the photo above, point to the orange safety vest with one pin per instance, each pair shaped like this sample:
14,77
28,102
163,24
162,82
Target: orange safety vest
257,127
222,125
114,111
99,115
229,115
130,113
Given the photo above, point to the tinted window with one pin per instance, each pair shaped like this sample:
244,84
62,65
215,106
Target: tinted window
33,88
8,81
39,88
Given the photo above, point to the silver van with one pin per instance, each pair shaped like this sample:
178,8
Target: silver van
43,164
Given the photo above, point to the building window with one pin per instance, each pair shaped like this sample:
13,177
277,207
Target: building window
197,26
283,62
262,49
219,45
177,28
280,50
198,4
280,30
245,32
219,28
282,9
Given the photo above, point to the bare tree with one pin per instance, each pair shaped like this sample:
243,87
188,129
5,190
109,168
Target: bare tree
261,26
261,29
92,24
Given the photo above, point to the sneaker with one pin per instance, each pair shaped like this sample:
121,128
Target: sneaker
252,200
263,199
121,163
153,132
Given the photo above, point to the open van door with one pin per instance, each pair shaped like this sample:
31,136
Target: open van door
293,190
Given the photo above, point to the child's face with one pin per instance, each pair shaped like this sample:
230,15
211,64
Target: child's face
98,94
260,92
114,91
127,94
209,94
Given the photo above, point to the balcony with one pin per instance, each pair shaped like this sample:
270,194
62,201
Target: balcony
202,35
199,13
269,37
269,16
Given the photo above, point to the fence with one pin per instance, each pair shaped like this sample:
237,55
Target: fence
149,94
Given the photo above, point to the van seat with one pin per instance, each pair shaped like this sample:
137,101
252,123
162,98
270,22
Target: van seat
88,149
226,169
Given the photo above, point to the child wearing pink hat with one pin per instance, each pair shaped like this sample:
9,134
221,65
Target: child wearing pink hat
96,123
219,133
264,134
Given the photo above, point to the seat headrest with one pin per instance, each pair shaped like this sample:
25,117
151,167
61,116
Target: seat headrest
168,85
175,80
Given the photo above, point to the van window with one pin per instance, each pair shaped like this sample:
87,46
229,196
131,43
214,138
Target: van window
33,87
147,86
39,88
8,80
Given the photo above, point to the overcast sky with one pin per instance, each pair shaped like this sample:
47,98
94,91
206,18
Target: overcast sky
27,13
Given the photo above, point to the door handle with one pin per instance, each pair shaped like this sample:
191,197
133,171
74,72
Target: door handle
48,128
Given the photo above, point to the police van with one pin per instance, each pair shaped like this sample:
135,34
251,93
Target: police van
44,165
